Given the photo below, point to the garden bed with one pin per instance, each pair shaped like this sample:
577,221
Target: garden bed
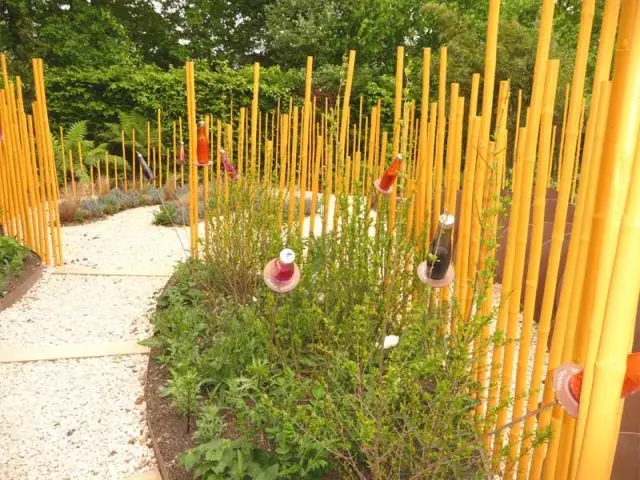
168,429
302,385
19,275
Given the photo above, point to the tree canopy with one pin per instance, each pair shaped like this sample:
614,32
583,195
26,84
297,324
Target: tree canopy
133,43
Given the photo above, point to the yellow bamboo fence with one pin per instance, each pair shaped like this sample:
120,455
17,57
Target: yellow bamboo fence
28,178
572,211
458,157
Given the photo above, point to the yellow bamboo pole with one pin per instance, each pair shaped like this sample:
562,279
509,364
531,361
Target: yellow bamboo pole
466,209
315,183
587,335
254,115
622,285
328,190
133,158
159,152
535,255
293,167
423,168
457,155
99,177
218,148
175,160
106,170
181,146
567,92
40,193
440,138
554,135
397,114
568,156
576,163
451,138
74,191
124,160
431,145
304,151
518,224
344,124
193,173
49,164
149,140
241,142
517,134
64,161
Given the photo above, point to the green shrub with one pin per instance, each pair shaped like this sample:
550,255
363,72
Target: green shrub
82,215
93,206
298,383
165,214
12,257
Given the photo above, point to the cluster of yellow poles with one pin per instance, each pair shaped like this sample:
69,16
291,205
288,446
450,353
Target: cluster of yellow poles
455,160
117,172
28,181
455,150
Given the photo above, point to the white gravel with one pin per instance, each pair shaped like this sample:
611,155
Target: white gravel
73,419
84,418
66,309
127,241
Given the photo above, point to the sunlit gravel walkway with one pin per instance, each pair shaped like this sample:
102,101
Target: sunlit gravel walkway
85,418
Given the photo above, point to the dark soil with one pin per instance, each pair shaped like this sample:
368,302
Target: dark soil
17,287
167,427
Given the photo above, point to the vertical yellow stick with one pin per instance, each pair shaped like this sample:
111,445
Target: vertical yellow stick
568,157
440,138
175,160
563,132
159,152
395,146
64,161
124,160
254,115
133,157
193,173
304,151
73,175
535,255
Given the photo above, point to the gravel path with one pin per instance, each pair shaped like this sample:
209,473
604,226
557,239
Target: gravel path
84,418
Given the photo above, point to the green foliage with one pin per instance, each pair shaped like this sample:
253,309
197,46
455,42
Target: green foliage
299,382
173,213
12,256
223,459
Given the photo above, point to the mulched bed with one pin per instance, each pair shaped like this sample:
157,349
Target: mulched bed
168,429
17,287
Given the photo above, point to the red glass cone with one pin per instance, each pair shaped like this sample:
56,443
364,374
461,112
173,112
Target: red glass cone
631,379
181,155
391,174
203,144
283,271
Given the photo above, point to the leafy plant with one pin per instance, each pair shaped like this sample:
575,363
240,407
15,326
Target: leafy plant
224,459
12,256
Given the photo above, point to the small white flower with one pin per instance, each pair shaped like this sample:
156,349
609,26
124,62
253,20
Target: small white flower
255,300
390,341
321,298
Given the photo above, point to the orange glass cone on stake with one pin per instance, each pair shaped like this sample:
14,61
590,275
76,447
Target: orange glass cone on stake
203,145
282,274
385,183
437,271
567,383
